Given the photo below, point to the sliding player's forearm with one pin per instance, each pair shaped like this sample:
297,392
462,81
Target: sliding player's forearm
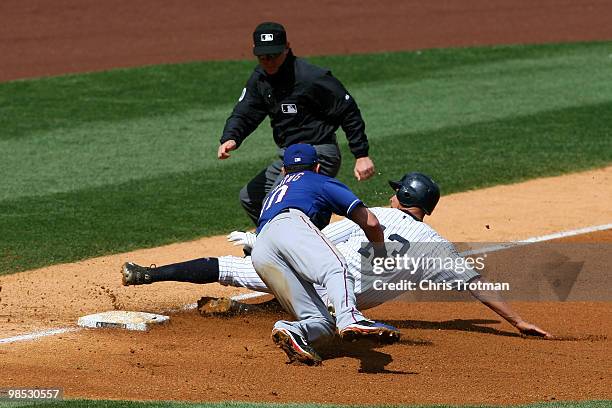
493,300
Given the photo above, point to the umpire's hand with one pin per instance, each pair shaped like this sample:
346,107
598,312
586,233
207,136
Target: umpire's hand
225,148
364,168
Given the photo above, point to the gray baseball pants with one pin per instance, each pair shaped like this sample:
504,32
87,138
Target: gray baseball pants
290,256
253,194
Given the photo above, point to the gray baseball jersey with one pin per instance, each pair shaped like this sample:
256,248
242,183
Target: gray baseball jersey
349,240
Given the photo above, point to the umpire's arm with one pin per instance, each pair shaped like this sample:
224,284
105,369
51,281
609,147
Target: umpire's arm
340,108
248,113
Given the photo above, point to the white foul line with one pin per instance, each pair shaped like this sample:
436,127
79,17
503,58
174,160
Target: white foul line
38,334
541,238
570,233
564,234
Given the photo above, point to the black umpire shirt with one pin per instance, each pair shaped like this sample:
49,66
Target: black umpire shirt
306,104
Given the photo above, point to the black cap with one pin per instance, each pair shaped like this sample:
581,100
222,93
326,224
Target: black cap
269,38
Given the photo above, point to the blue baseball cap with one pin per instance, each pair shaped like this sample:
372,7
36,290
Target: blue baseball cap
300,154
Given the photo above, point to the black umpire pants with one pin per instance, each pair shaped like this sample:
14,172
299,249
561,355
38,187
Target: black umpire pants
253,194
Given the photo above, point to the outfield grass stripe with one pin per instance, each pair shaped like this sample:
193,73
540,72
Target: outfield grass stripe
440,102
101,154
32,106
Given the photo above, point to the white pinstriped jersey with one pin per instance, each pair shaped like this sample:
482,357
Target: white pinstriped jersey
399,227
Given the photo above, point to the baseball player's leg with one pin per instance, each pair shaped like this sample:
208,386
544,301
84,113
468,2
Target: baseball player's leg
314,323
202,270
253,194
295,294
227,270
315,259
239,272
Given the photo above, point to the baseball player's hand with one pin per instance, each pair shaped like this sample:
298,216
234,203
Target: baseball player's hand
529,329
380,250
225,148
364,168
246,239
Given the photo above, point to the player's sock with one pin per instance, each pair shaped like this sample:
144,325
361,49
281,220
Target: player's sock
203,270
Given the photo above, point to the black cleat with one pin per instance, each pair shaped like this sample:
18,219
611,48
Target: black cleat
368,329
296,347
133,274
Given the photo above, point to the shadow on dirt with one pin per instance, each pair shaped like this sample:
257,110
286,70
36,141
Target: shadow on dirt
372,360
477,326
466,325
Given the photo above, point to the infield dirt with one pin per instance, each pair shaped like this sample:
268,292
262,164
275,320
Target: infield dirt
451,352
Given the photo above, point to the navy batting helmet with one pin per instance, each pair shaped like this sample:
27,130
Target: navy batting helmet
417,190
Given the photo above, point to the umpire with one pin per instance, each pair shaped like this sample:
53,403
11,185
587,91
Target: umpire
305,103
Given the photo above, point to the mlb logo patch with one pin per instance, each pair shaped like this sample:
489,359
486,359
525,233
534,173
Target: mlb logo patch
297,160
267,37
289,108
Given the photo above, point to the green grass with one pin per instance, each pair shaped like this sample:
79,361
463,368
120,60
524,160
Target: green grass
135,404
112,161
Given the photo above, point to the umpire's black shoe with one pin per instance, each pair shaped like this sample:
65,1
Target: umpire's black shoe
132,274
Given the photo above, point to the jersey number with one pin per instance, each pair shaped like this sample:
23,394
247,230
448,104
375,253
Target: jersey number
276,197
367,251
